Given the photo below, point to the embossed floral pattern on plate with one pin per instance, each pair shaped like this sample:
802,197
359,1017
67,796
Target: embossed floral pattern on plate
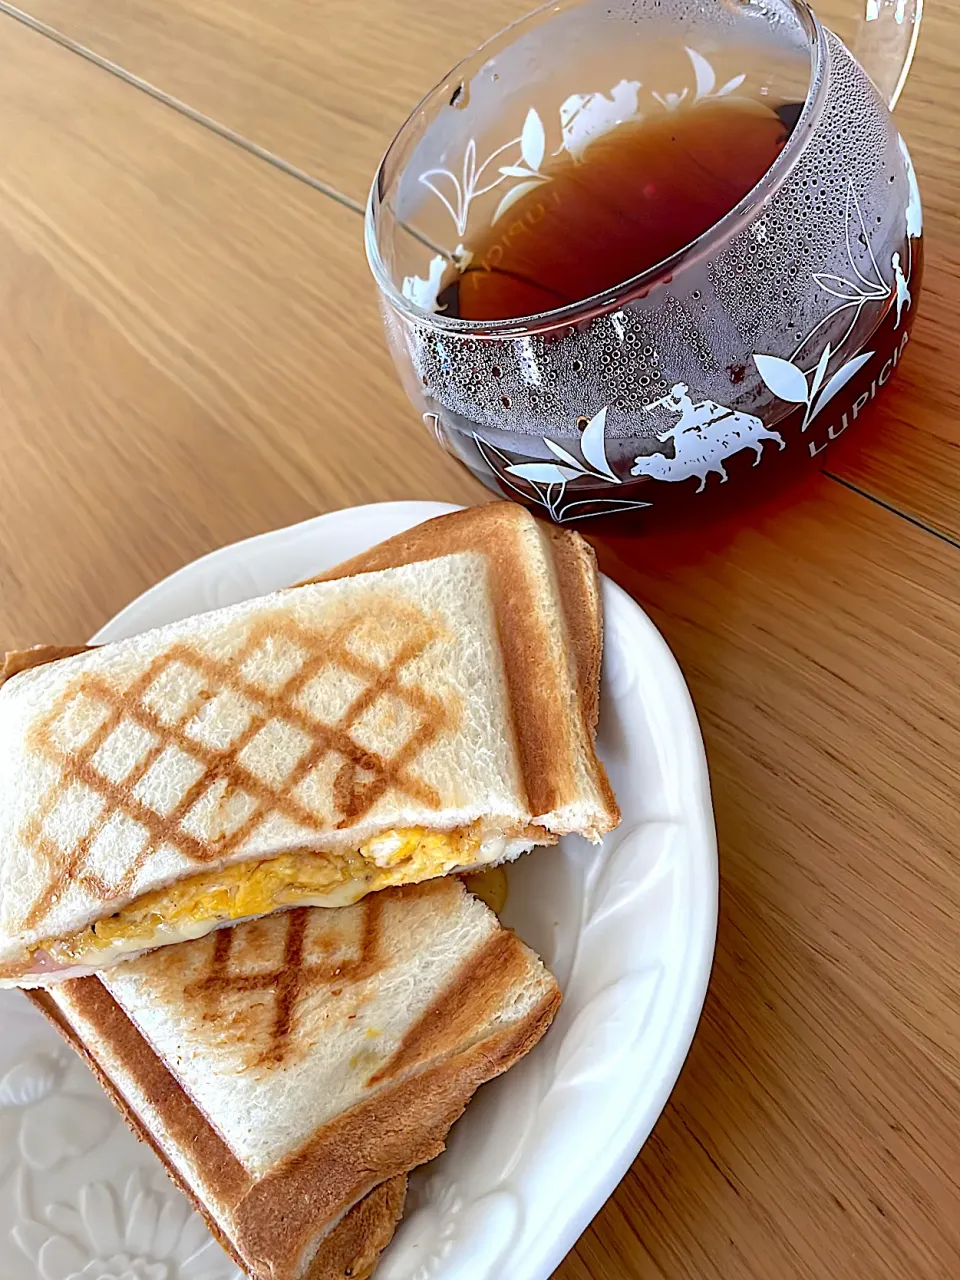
628,929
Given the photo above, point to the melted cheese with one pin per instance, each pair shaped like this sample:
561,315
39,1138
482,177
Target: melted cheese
250,889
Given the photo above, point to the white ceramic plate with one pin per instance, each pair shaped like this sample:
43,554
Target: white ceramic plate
628,929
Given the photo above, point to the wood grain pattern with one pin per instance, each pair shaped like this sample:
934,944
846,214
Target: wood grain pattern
326,85
190,348
813,1130
191,353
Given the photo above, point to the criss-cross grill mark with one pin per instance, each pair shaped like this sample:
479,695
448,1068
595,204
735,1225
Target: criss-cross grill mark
362,779
290,982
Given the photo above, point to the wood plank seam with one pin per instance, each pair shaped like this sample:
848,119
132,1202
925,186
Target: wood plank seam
301,175
888,506
177,104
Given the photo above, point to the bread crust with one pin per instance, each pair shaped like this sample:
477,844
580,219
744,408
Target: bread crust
548,744
17,660
352,1250
543,585
274,1225
494,529
396,1130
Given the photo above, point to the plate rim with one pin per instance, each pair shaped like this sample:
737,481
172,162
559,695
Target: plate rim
539,1263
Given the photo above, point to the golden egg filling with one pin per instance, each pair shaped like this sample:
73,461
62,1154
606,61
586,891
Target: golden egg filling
194,905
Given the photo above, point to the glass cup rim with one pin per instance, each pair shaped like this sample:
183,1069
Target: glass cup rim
620,294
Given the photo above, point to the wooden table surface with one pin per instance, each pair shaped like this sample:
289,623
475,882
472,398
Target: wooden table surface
191,353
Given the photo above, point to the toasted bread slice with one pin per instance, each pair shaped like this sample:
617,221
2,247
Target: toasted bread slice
352,1248
549,618
408,718
287,1068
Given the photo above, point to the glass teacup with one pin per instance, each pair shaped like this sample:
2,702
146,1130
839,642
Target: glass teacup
760,340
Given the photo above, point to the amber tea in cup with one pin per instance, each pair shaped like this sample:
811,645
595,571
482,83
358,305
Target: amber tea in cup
627,196
629,251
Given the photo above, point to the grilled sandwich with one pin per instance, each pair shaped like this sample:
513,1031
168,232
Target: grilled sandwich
427,708
290,1071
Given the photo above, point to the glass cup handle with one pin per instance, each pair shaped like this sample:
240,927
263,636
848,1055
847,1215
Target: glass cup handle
885,42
